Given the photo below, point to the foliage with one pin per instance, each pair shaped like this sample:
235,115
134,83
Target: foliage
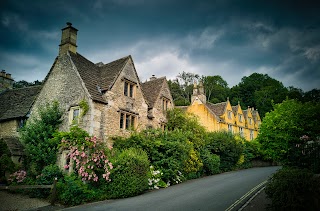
37,135
17,177
84,107
87,155
130,175
227,146
73,191
284,126
211,162
294,189
216,88
47,176
252,150
180,120
6,164
23,84
154,180
166,151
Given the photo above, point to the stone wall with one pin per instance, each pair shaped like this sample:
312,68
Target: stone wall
158,112
9,128
63,84
117,100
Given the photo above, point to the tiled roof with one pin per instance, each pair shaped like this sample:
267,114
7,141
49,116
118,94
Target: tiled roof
218,108
16,103
151,90
235,109
14,145
98,77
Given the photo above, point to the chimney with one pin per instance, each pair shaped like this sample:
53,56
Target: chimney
68,39
153,77
3,73
8,75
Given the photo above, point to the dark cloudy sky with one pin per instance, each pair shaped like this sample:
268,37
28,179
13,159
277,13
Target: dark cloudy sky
233,39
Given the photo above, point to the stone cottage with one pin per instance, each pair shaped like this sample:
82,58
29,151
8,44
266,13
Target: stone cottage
15,105
222,116
103,99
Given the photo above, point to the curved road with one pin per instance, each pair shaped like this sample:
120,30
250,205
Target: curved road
217,192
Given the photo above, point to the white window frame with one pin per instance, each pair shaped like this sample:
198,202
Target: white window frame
241,131
230,128
230,114
251,134
240,118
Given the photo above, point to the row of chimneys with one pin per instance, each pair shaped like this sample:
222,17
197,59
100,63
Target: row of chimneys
5,75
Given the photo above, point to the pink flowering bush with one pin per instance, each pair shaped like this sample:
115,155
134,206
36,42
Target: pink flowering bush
89,159
18,177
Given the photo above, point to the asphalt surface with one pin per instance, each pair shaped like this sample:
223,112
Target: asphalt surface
217,192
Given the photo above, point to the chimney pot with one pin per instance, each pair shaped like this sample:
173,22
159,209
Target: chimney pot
153,77
69,24
8,75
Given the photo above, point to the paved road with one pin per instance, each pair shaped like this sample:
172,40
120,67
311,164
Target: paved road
215,192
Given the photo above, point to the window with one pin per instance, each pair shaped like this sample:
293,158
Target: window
127,121
128,89
241,131
230,128
250,121
74,115
251,134
230,114
165,103
240,117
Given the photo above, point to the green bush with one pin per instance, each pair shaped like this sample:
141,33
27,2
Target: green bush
73,191
211,162
47,176
167,151
6,164
227,146
294,189
37,136
129,177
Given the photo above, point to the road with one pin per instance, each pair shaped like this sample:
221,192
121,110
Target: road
217,192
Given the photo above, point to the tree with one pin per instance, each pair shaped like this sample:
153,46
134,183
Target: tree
37,136
258,90
216,88
283,127
23,84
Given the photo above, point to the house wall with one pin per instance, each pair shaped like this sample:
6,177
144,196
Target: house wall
64,85
9,128
117,100
160,115
206,119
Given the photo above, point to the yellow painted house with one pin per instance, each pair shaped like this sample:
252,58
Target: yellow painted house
223,116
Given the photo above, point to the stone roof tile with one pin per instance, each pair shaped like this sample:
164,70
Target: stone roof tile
151,90
16,103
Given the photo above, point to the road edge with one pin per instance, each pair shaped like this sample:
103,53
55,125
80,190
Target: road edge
241,203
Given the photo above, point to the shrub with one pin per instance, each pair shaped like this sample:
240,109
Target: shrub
73,191
211,162
293,189
227,147
155,179
47,176
130,174
6,164
37,135
167,151
88,155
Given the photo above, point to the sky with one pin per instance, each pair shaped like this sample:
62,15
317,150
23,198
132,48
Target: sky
230,38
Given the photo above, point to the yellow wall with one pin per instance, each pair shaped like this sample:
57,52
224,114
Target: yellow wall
206,119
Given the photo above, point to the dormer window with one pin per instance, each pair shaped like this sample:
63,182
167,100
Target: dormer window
250,121
129,89
230,114
165,103
240,117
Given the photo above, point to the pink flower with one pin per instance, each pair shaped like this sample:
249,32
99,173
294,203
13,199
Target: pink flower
110,165
66,166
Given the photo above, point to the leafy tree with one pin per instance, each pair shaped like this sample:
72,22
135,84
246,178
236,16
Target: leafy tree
312,96
283,127
258,90
23,83
37,136
216,88
178,94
